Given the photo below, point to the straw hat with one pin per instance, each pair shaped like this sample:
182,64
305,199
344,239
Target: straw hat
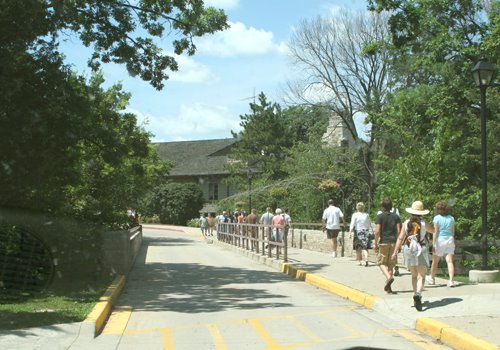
417,208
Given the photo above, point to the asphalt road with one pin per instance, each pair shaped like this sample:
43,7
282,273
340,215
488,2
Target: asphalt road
184,293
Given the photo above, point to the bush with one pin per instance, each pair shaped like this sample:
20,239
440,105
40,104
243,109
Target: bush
174,203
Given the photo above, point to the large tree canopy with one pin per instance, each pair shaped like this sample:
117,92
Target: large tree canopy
431,122
122,32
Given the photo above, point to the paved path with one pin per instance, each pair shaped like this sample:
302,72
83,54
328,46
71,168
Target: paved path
466,311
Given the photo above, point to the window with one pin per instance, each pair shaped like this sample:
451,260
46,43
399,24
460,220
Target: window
213,191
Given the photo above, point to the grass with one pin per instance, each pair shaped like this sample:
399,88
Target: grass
25,310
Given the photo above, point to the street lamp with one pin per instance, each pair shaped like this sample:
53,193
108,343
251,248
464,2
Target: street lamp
249,177
483,74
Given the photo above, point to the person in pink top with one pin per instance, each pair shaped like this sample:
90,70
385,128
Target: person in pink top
278,220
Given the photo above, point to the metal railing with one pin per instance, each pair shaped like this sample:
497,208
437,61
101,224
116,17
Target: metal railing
262,239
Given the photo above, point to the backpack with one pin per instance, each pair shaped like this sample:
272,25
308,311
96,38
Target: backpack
412,240
413,230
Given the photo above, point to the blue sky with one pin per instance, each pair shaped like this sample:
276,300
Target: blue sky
205,98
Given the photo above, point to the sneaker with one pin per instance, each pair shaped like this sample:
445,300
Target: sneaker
417,302
334,254
430,281
451,284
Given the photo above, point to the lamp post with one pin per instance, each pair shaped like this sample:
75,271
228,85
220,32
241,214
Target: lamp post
249,177
483,74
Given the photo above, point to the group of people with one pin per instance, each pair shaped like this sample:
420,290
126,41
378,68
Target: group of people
280,222
391,236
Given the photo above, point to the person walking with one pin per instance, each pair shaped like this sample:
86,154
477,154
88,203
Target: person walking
211,224
415,249
288,222
266,220
359,230
331,218
396,267
387,226
443,242
253,230
278,223
204,224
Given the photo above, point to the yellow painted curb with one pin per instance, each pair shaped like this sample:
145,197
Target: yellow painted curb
453,337
102,309
352,294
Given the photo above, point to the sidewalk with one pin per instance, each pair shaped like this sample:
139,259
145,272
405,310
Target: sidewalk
464,317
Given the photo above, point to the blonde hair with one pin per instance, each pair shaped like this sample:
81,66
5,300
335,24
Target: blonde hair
360,206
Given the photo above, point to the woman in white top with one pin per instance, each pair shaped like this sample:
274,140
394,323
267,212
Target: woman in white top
360,227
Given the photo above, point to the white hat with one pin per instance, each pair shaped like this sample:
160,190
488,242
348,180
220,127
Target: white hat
278,211
417,208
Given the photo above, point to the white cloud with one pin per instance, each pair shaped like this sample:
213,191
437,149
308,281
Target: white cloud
239,40
223,4
193,122
191,71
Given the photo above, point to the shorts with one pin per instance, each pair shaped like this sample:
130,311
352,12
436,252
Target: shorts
444,246
332,233
277,235
412,260
384,254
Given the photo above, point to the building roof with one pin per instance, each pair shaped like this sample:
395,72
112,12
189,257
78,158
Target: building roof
195,158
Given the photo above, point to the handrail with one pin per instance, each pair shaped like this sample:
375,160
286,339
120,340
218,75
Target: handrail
254,237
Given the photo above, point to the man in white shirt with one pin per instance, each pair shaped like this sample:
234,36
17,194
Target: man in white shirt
331,218
266,219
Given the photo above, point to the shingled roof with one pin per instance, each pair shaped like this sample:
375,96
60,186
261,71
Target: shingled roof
195,158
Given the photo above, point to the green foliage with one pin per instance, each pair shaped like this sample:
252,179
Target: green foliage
174,203
118,32
430,126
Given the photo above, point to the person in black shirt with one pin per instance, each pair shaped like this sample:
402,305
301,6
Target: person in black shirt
387,227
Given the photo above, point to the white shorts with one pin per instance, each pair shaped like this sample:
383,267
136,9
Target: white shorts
444,246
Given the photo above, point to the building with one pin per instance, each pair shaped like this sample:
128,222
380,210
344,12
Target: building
200,162
337,133
203,161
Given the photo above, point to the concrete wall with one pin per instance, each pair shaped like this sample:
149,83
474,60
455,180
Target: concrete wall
120,248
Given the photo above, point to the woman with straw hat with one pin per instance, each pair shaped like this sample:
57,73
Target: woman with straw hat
413,238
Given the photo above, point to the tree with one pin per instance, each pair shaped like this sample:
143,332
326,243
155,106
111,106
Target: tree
433,115
174,203
68,147
121,32
264,139
343,61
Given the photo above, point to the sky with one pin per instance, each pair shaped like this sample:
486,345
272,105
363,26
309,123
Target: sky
205,98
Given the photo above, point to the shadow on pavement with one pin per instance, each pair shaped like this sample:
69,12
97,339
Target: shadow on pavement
194,288
440,303
162,241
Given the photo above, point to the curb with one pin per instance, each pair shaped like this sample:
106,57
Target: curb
94,322
452,337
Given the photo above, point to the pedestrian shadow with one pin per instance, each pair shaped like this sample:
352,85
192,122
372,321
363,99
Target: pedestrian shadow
440,303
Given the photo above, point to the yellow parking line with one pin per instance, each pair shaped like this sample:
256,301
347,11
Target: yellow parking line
306,331
219,342
264,334
118,320
168,339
